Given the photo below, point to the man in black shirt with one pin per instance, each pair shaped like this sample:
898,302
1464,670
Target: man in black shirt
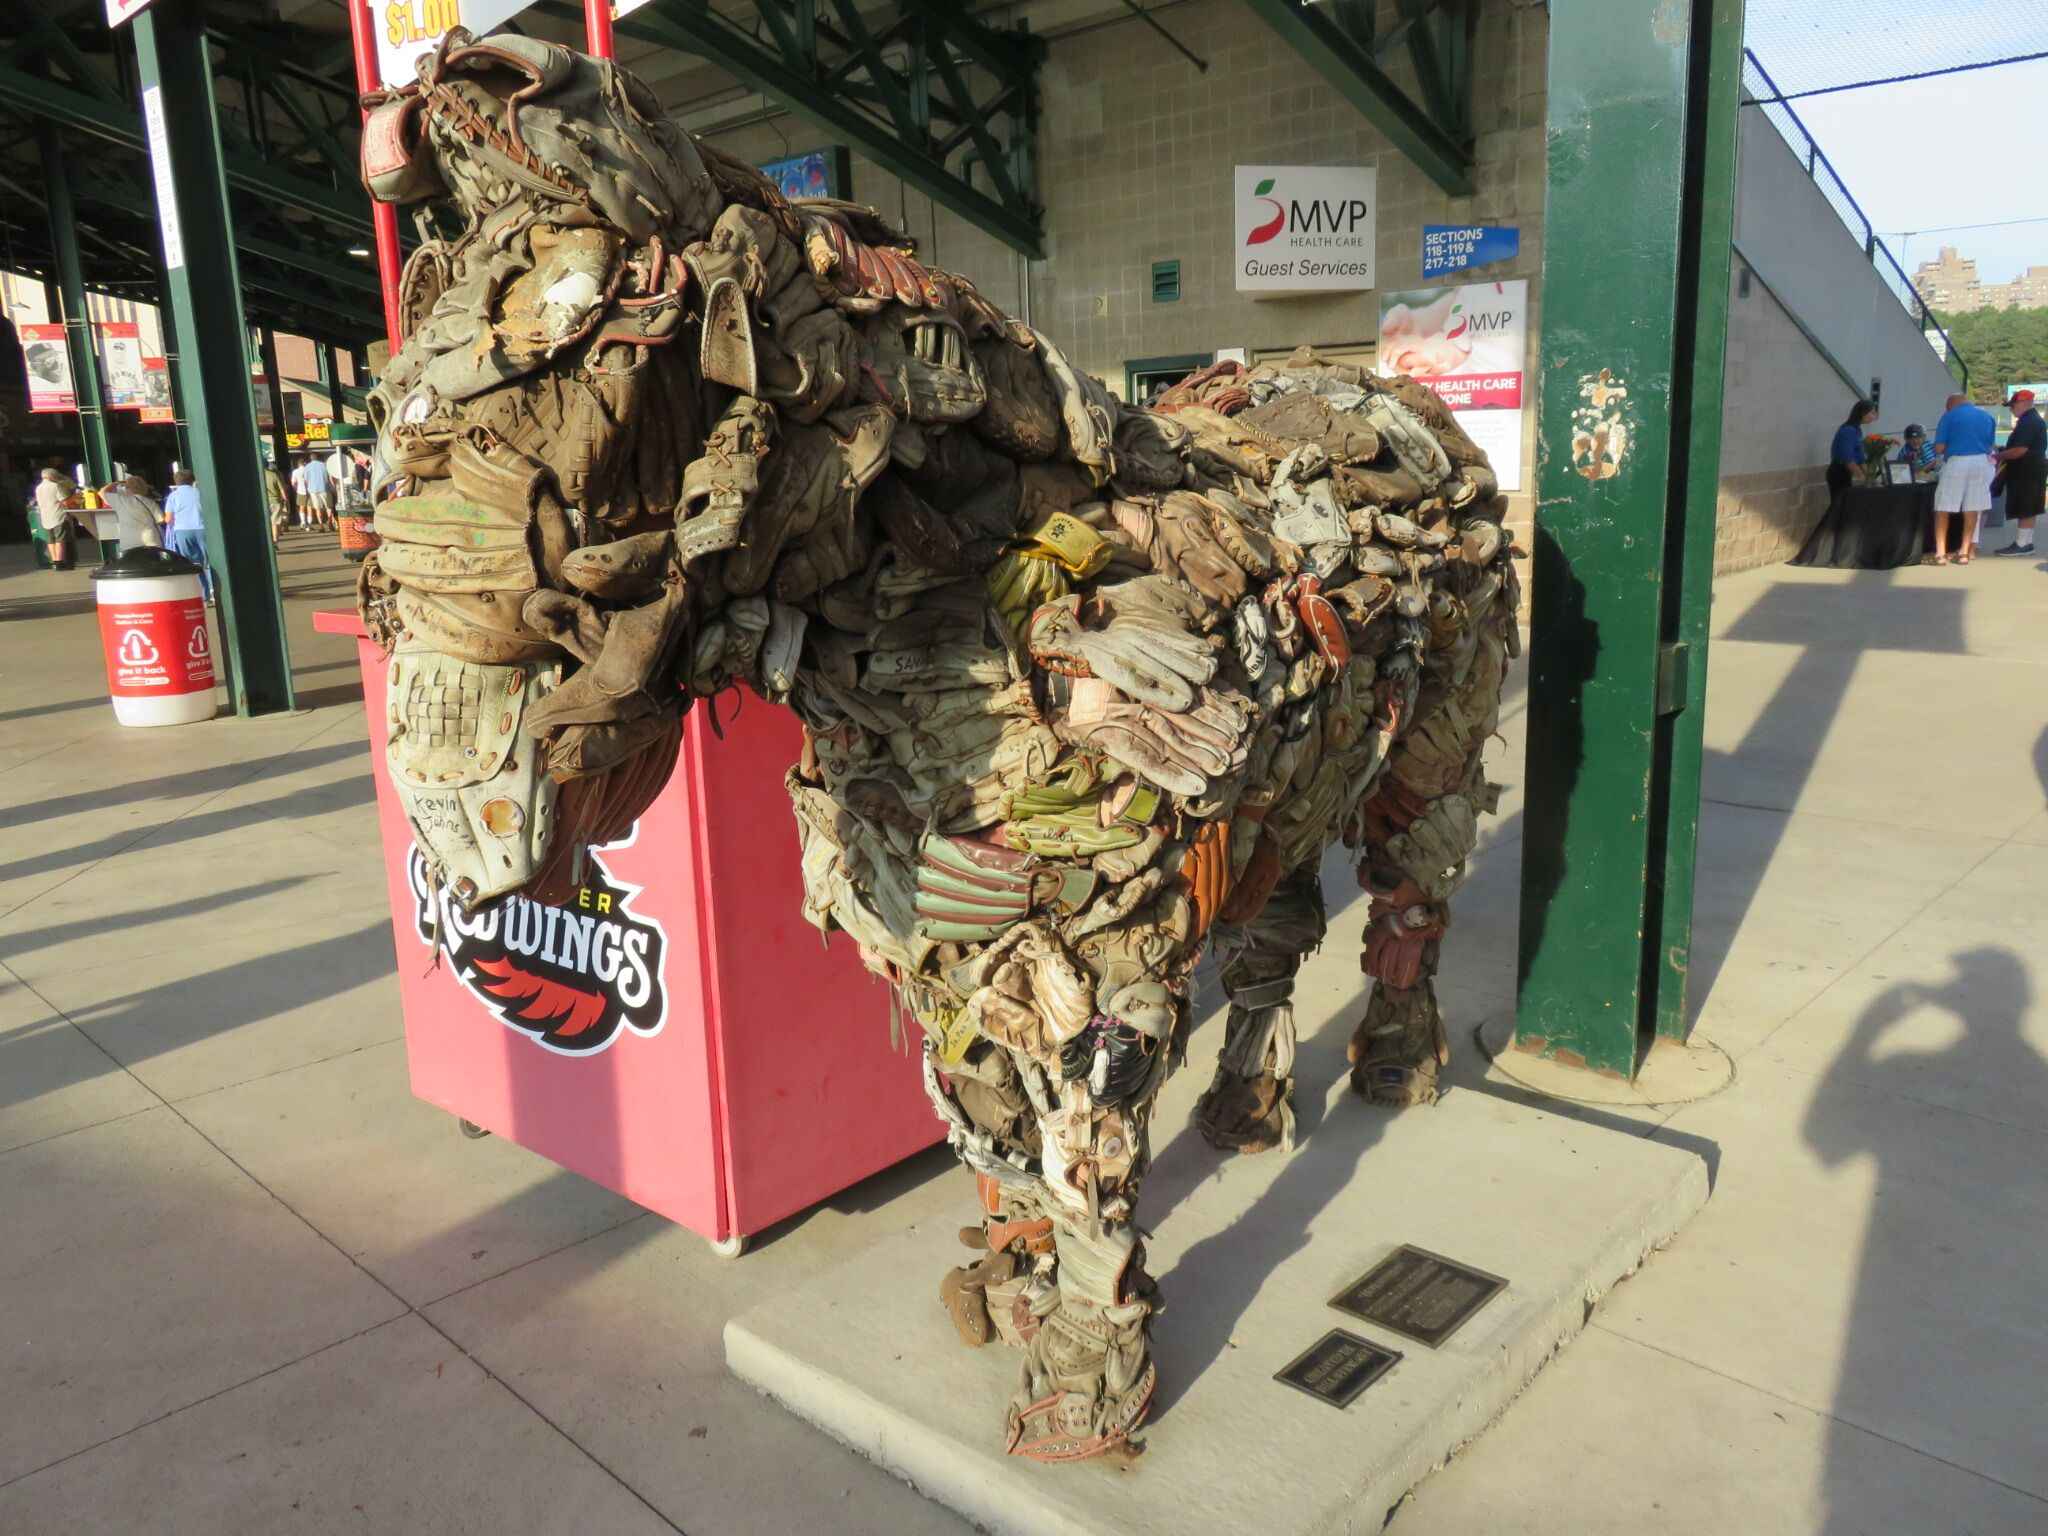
2024,462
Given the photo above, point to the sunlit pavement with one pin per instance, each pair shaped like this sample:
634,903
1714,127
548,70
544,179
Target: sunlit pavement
248,1284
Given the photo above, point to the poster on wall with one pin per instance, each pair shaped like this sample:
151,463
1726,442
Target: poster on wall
1306,228
122,380
1469,344
156,390
49,368
815,173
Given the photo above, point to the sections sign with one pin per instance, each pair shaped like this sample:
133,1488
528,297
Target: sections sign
1450,248
1306,228
1470,345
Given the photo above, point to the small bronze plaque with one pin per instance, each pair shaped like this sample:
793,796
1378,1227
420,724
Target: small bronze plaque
1337,1367
1420,1294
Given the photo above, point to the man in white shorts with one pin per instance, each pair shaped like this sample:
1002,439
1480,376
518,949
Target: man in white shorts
1963,438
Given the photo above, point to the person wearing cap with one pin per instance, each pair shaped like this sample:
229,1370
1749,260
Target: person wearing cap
1916,451
2025,461
135,510
1963,438
56,499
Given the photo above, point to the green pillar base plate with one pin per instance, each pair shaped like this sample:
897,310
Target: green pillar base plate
1673,1073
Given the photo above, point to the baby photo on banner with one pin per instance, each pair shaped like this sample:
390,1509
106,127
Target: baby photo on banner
1469,344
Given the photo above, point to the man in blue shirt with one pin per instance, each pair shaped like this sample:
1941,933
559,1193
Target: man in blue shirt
2024,461
1963,438
186,533
320,492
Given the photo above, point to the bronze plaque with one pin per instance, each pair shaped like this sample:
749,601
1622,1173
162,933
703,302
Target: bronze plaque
1337,1367
1420,1294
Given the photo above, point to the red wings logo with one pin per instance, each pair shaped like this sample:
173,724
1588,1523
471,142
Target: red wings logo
571,977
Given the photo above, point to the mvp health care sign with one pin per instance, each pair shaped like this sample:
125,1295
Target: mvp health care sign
1306,228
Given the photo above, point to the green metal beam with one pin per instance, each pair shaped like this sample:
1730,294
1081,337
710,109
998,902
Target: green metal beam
1707,244
129,200
1641,129
899,143
79,339
89,115
202,291
1357,76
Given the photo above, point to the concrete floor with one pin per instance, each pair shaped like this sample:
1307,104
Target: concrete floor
248,1284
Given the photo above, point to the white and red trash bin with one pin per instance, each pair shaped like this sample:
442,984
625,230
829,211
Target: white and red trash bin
153,632
677,1033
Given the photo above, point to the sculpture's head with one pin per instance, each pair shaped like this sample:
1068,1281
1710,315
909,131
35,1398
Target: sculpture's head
536,407
620,346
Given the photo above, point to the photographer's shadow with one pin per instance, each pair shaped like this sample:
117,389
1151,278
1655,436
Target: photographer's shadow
1923,1322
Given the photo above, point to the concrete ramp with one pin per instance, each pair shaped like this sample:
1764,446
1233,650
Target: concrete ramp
1249,1252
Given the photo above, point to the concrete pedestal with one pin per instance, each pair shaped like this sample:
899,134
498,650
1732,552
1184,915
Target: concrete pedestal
1249,1251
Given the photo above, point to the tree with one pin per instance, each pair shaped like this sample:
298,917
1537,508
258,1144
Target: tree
2003,347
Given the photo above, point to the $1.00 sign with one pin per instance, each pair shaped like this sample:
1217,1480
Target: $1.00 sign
405,29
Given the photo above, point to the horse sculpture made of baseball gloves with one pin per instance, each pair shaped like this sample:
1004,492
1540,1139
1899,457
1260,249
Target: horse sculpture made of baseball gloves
1085,687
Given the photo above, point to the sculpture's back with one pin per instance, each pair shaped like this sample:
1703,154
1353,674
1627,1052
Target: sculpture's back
1084,687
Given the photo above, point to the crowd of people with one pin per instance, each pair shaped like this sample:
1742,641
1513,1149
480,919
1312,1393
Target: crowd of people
64,512
1971,471
177,522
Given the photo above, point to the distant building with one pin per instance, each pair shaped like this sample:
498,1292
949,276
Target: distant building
1950,283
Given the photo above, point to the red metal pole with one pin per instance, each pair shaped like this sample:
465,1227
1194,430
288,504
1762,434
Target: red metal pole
384,216
597,24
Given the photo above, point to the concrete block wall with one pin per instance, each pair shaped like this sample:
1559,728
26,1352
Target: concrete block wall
1780,406
1137,154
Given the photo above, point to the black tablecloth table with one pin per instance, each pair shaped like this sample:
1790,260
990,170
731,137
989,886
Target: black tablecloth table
1874,528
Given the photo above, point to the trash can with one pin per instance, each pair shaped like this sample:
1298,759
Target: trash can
153,630
358,532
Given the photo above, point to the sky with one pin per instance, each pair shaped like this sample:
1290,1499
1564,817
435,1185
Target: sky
1938,152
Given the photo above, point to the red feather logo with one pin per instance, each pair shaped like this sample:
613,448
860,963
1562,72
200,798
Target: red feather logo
539,1003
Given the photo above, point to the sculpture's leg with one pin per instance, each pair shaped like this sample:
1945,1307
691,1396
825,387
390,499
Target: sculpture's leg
1087,1378
1421,826
1250,1103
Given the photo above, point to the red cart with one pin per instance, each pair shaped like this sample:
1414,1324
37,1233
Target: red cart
677,1032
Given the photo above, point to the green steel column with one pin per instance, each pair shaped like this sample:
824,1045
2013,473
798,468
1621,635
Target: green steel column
1714,122
281,450
168,325
330,375
1641,149
201,289
79,339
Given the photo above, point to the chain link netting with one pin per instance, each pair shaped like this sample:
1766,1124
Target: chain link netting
1817,45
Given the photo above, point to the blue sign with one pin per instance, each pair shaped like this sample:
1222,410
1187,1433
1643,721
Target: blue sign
807,175
1456,247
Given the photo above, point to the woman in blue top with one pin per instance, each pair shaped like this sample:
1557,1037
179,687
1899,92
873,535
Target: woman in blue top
1846,458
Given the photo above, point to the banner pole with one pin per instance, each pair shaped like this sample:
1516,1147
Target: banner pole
383,216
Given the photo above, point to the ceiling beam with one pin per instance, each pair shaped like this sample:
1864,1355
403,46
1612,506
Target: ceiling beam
1357,76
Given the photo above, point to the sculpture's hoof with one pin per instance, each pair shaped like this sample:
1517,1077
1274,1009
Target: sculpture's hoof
981,1298
1247,1114
1399,1050
964,1294
1395,1084
1058,1428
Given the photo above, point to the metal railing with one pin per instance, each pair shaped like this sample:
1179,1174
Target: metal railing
1762,92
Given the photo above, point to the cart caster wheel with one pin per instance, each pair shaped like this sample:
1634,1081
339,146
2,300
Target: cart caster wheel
730,1247
472,1130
